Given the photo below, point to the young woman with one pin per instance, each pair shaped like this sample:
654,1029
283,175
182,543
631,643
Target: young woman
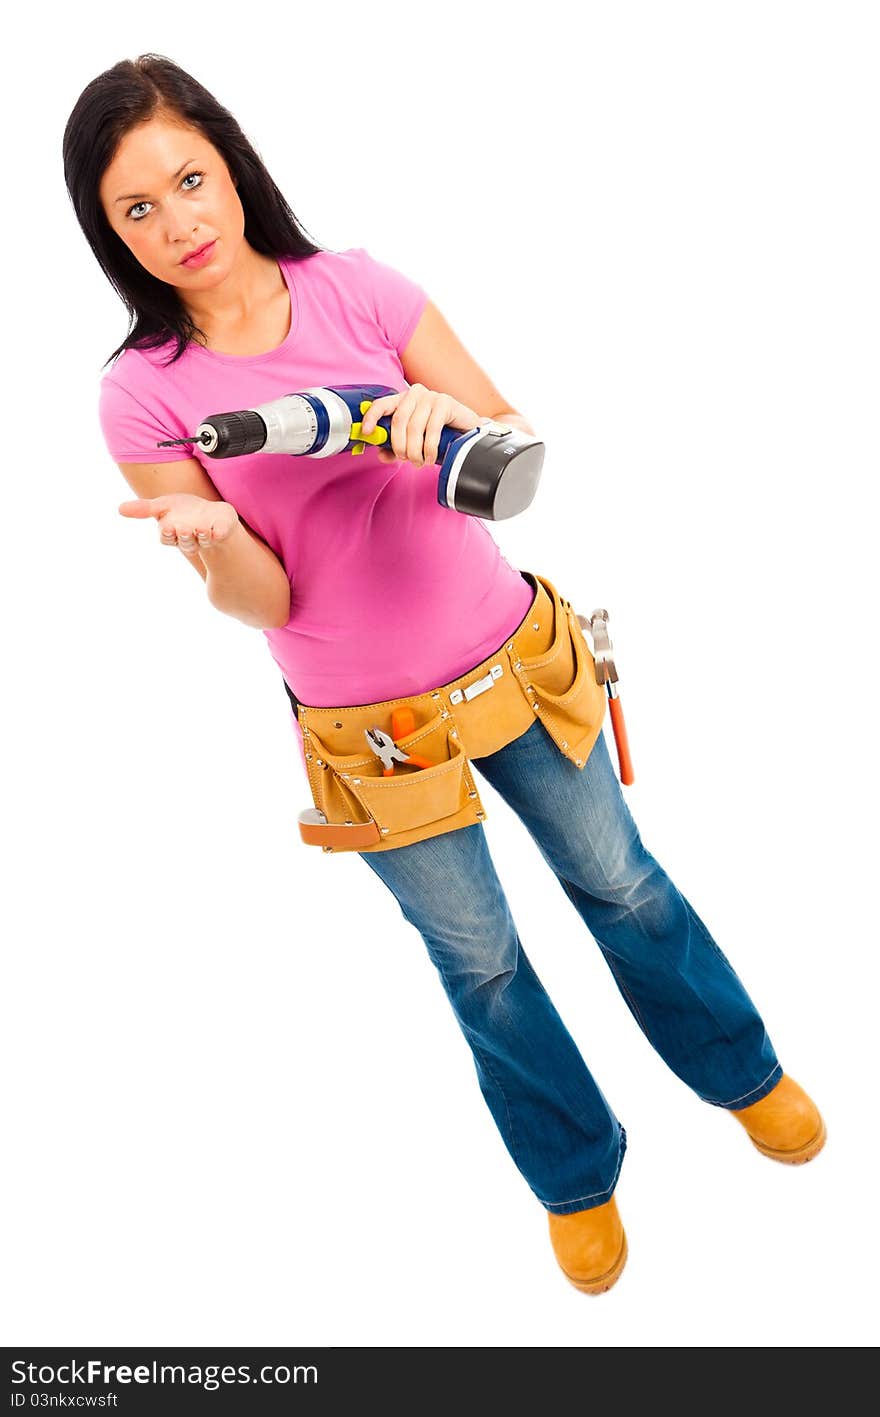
352,558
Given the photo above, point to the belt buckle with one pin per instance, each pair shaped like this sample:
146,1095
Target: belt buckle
478,687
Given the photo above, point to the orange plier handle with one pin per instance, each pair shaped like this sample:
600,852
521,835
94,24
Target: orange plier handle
413,759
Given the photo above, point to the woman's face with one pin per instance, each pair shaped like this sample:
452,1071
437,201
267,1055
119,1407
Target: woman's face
166,192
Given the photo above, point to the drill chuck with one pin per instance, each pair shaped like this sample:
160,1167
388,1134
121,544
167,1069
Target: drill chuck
231,435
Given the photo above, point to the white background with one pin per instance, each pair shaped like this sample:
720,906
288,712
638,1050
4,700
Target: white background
239,1107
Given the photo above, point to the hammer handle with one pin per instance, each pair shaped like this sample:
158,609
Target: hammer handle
620,738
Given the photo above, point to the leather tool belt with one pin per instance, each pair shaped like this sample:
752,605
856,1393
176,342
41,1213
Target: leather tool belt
545,669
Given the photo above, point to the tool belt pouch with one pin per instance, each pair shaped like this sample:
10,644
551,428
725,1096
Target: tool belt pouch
545,670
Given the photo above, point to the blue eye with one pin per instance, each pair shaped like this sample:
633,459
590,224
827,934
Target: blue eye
200,175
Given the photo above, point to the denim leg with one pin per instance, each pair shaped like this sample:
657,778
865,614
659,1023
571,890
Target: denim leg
679,986
552,1116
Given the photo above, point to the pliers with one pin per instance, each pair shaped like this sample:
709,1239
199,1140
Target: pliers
384,746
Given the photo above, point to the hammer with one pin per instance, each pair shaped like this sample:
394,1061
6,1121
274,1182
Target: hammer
606,673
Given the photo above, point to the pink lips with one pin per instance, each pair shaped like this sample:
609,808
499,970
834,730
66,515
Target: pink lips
198,258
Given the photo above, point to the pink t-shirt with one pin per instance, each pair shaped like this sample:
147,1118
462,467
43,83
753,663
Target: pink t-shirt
391,593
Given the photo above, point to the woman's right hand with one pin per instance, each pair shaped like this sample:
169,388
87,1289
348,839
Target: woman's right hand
192,523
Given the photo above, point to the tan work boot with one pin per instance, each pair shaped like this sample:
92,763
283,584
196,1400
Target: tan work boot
786,1125
590,1246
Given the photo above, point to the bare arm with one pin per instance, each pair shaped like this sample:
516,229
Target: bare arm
436,357
244,577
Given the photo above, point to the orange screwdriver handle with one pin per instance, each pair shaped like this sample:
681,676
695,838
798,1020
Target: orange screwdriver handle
403,721
620,738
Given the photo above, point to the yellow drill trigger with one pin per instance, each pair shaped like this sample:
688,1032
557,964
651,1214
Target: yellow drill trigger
360,440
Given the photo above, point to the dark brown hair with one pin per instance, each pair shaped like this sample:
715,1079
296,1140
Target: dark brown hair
120,98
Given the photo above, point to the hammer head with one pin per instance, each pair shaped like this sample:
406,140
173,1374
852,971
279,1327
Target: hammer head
606,671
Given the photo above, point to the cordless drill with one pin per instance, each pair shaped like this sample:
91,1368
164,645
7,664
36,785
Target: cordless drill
491,471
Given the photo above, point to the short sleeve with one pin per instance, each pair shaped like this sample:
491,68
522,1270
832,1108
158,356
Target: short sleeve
398,302
130,430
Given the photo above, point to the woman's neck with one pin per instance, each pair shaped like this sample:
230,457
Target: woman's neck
250,287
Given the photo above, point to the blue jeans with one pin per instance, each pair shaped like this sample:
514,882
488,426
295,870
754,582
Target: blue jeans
680,988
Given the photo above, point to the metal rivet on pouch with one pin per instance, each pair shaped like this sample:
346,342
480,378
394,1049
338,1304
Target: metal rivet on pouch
337,725
536,624
309,756
453,732
436,694
472,794
445,713
357,780
565,742
480,814
320,762
518,664
384,830
578,761
510,645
